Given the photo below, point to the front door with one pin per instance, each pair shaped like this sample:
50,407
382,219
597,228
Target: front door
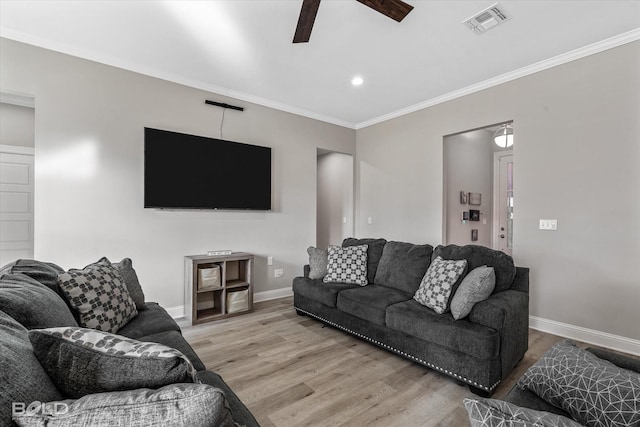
503,202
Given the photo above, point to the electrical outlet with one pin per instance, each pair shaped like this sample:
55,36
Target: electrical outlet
369,220
278,272
269,260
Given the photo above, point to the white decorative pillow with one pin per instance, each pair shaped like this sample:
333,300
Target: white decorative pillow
475,287
439,282
347,265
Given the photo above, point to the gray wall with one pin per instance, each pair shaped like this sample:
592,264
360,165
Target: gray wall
335,199
468,167
17,125
577,154
89,172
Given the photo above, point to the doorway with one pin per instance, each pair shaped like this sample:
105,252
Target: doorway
334,204
472,211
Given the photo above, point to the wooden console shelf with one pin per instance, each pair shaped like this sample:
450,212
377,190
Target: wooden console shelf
217,286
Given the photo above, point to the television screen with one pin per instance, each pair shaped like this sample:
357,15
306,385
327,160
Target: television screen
194,172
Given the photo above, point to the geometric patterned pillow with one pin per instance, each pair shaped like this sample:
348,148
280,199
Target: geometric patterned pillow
594,391
439,282
498,413
82,361
99,295
347,265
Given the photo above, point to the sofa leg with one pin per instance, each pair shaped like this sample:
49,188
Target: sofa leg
479,392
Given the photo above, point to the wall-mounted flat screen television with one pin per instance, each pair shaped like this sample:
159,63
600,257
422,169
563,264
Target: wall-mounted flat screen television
193,172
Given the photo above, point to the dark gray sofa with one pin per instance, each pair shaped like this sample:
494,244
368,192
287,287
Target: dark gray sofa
33,305
479,350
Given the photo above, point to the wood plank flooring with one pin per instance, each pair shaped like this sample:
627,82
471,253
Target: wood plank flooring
293,371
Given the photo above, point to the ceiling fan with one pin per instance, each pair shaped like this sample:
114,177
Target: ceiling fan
394,9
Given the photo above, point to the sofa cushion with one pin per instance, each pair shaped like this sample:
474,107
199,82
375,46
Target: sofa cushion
476,286
403,265
43,272
347,265
241,414
440,282
128,274
23,378
594,391
374,253
317,262
197,405
151,320
421,322
99,295
317,290
479,255
370,303
83,361
497,413
33,304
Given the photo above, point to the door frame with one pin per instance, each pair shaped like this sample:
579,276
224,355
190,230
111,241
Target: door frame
496,196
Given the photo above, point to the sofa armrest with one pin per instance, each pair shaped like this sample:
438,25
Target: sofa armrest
521,281
508,313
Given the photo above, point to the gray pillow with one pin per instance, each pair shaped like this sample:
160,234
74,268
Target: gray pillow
439,283
125,268
475,287
197,405
317,262
347,265
593,391
23,378
497,413
82,361
33,304
403,265
374,252
99,295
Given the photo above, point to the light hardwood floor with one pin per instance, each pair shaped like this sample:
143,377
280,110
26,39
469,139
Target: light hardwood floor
293,371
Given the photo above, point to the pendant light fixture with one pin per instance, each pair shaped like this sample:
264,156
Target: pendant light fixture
504,136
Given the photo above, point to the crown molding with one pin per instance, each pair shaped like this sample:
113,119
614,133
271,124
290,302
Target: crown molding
17,99
582,52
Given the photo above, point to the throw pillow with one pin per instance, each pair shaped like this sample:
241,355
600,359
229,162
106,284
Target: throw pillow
317,262
23,380
125,268
99,295
82,361
197,405
347,265
439,282
497,413
33,304
402,265
593,391
475,287
374,252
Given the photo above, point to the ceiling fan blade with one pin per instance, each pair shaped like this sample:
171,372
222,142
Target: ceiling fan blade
394,9
305,21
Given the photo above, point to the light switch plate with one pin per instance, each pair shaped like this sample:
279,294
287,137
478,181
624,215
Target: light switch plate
548,224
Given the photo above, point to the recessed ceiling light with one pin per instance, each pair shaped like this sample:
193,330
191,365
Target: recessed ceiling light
357,81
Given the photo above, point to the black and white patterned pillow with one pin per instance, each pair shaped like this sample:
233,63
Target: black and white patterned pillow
99,295
438,283
594,391
347,265
498,413
82,361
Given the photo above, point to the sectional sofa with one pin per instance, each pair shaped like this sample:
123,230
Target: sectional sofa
134,376
479,349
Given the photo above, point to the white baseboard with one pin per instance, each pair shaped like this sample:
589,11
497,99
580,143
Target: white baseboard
178,311
589,336
274,294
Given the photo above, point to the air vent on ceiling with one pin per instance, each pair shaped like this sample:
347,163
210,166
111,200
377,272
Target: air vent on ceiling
488,18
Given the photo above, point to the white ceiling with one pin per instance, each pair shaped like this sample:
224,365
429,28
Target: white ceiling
243,48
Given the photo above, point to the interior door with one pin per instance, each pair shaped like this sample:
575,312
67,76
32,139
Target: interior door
503,202
16,206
